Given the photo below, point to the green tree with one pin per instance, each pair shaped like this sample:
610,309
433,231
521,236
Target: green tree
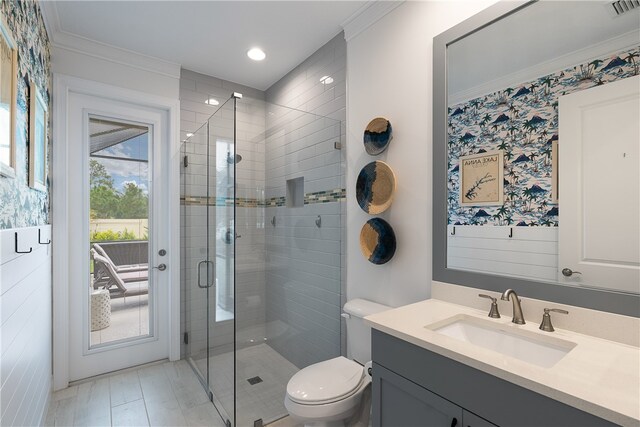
103,198
133,203
104,202
98,175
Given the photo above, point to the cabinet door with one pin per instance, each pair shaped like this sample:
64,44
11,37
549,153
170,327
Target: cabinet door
470,419
397,402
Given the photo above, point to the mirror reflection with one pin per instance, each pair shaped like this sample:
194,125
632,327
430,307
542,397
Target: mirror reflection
544,146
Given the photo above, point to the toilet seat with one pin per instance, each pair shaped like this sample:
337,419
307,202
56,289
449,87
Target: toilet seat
326,382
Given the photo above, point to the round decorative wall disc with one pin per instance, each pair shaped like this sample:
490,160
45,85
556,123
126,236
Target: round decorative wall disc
377,241
375,187
377,136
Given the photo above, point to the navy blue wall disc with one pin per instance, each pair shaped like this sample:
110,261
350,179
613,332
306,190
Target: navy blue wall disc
377,136
377,241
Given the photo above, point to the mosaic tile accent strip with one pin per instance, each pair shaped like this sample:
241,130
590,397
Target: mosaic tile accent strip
522,121
276,202
21,206
328,196
325,196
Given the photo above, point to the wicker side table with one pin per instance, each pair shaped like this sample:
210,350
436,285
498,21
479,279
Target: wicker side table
100,309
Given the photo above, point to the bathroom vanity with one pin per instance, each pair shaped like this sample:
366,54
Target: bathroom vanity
422,376
512,102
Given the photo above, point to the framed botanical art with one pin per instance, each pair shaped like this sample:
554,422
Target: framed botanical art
482,179
8,94
37,139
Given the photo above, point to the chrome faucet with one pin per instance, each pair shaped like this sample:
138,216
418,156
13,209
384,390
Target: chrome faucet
510,295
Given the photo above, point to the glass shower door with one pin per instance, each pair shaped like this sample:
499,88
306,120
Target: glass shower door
208,185
222,238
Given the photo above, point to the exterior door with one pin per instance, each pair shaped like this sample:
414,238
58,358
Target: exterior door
599,186
119,273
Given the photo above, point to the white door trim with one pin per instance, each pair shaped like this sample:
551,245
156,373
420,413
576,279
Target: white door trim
63,85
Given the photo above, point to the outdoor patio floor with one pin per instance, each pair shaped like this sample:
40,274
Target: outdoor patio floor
129,318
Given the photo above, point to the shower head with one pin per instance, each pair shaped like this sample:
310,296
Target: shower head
233,159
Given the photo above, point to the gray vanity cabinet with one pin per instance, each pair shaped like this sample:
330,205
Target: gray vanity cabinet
414,387
405,404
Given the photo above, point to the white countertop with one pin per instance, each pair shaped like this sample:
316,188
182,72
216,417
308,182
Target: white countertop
597,376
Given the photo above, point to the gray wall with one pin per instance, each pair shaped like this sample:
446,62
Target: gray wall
305,274
289,278
195,88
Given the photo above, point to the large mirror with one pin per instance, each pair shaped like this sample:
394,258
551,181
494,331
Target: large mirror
537,152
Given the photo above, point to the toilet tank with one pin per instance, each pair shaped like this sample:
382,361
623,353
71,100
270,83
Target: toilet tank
359,334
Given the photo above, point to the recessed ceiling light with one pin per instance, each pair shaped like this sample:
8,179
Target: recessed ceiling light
256,54
211,101
326,80
189,134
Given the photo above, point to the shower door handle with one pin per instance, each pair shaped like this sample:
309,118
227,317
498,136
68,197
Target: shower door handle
207,284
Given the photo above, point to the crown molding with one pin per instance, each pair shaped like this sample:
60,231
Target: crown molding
627,40
366,16
61,39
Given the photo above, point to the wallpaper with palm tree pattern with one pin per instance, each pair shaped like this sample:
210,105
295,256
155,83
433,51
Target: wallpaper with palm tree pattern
20,205
522,121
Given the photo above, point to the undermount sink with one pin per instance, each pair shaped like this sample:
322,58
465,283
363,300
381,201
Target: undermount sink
543,351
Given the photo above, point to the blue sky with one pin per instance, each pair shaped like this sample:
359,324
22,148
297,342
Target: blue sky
123,171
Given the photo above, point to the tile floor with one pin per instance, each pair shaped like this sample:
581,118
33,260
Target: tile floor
263,400
162,394
129,318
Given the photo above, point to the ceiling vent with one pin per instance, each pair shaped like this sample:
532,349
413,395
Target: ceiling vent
623,6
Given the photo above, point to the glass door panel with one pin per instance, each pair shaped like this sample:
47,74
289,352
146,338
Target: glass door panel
208,255
222,236
119,188
194,205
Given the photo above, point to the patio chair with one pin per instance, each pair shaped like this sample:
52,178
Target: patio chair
120,268
106,276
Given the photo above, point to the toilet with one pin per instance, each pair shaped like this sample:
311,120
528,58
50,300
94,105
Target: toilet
330,393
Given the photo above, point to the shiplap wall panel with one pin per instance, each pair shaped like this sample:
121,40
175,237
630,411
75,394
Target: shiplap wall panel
527,258
25,327
531,252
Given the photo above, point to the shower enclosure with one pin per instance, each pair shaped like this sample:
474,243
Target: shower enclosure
261,247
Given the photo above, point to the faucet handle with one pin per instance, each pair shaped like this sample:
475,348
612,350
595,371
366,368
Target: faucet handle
546,318
494,306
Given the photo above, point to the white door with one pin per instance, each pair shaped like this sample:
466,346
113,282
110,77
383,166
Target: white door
118,232
599,186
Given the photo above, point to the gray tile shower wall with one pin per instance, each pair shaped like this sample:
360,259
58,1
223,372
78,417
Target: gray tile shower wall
207,181
304,263
289,277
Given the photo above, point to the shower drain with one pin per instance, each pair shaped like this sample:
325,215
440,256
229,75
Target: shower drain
254,380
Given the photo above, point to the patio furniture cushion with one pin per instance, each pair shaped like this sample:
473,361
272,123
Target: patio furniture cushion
106,276
125,256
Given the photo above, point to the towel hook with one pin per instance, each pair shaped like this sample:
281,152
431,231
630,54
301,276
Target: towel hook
18,251
319,221
453,231
273,221
40,239
510,232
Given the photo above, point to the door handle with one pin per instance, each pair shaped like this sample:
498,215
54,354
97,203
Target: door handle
207,284
161,267
567,272
200,274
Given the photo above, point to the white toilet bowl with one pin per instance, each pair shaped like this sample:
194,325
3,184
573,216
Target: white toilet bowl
326,394
330,393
